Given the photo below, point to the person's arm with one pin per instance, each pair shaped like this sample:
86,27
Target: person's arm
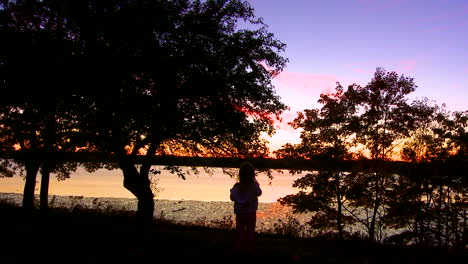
232,196
259,190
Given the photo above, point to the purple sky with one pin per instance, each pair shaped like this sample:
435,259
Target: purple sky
346,40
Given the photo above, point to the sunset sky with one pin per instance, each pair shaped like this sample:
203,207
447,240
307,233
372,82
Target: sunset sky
346,40
331,41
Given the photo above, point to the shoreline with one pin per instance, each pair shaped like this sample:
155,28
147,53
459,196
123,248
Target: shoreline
191,212
61,235
179,211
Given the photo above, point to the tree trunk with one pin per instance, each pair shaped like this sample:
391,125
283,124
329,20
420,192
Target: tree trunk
374,219
372,229
32,167
50,137
339,221
465,230
138,184
44,196
339,217
439,218
377,189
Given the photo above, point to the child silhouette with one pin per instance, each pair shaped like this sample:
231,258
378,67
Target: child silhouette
245,196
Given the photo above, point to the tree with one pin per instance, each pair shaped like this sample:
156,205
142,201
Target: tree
326,135
374,118
36,116
385,119
179,76
431,206
168,77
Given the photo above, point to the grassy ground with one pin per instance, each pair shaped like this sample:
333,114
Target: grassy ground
88,235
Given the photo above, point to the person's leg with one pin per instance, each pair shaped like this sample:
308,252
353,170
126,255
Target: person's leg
241,222
251,220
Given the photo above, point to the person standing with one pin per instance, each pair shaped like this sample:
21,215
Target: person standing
245,195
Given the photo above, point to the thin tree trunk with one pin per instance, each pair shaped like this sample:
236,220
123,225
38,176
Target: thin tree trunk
339,221
374,218
377,190
340,206
374,211
50,136
447,209
372,226
32,167
465,229
439,218
44,196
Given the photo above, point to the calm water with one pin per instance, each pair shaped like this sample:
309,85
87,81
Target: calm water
202,186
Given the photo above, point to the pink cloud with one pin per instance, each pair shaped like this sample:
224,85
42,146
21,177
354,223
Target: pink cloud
300,91
305,83
359,70
407,65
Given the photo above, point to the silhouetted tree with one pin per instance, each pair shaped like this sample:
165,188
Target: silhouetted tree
326,135
409,195
36,100
431,206
385,119
167,77
371,121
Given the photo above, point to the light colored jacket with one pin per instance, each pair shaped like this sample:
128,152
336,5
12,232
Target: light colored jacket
247,201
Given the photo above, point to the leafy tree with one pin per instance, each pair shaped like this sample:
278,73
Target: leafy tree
415,147
377,118
432,206
167,77
411,193
35,106
385,115
326,135
183,72
385,120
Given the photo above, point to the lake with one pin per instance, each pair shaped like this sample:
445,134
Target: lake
213,186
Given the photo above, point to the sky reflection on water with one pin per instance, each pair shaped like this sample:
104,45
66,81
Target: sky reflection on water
202,186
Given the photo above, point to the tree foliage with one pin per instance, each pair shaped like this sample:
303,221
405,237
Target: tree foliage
376,122
145,77
432,208
36,116
327,134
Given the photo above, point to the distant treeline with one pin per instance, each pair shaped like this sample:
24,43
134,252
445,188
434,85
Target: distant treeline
435,168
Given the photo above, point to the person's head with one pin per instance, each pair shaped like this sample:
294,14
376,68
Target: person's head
246,173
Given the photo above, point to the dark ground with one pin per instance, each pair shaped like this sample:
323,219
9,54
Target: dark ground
88,236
